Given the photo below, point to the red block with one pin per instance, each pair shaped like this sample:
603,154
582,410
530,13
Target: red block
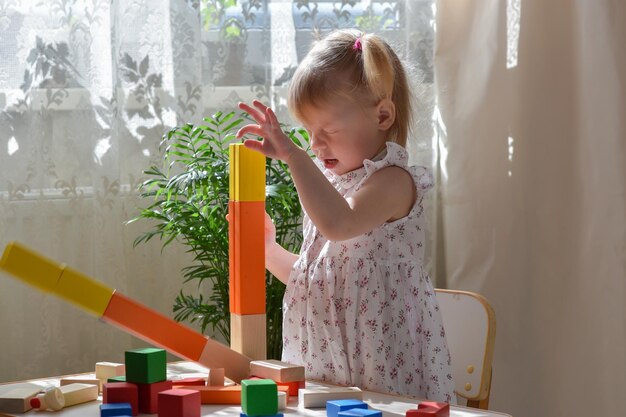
430,409
179,403
121,392
149,396
292,387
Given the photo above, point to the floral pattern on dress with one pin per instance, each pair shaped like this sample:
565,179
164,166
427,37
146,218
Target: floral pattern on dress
362,312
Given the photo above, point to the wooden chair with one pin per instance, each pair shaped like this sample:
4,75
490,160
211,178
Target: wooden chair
470,325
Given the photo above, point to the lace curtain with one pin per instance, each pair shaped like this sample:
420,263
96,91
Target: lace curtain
87,88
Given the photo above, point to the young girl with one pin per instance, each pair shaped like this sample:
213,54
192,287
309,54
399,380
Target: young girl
359,308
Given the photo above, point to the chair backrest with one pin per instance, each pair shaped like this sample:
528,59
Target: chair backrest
470,325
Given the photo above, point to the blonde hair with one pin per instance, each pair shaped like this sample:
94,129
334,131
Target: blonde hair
337,67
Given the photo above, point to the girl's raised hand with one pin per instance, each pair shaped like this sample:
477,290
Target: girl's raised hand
275,143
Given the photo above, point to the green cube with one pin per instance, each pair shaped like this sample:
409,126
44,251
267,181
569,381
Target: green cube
117,379
259,397
145,366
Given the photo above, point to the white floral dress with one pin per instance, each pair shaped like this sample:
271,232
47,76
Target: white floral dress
362,312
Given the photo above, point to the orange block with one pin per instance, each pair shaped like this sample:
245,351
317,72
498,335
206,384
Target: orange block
218,395
291,388
247,257
222,395
154,327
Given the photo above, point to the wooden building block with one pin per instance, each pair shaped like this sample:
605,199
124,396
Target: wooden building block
230,394
117,379
292,387
360,412
154,327
148,395
106,370
115,410
247,240
79,393
179,403
248,335
159,330
282,400
82,380
127,314
83,291
430,409
18,400
277,370
318,397
146,366
218,395
275,415
334,407
259,397
247,174
31,267
121,392
216,376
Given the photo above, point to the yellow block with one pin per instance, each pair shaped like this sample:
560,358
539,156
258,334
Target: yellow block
83,291
31,267
247,174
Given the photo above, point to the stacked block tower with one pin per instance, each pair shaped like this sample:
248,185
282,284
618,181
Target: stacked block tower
246,233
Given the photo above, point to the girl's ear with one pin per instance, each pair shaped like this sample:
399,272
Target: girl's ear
385,113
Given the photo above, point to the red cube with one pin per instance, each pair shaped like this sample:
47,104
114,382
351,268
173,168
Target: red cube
430,409
149,396
179,403
121,392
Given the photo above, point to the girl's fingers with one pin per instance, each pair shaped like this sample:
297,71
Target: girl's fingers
269,118
259,105
254,129
256,115
255,145
272,117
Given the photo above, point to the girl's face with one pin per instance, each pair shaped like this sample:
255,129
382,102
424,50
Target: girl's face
343,136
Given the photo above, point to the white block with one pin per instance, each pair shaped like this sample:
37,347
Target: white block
317,397
282,400
79,393
277,370
17,400
106,370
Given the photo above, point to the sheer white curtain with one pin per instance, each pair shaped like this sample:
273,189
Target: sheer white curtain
87,88
532,96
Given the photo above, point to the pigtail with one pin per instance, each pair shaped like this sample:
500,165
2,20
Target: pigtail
378,71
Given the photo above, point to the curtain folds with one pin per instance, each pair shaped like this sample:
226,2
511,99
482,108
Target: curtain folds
532,96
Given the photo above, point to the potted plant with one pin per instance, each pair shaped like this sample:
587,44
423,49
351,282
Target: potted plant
189,201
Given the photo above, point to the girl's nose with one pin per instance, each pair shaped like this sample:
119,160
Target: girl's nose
317,142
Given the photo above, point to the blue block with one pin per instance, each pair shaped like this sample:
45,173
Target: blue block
360,412
334,407
115,410
275,415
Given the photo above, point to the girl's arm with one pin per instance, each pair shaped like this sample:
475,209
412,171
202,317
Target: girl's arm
278,260
387,195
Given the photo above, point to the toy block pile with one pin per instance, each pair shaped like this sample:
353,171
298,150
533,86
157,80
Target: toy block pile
144,387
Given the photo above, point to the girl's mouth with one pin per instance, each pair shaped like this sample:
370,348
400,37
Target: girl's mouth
330,163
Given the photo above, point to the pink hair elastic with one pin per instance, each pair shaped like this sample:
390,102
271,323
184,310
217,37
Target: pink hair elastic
357,45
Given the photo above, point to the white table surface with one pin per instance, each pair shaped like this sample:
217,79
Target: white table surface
390,405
